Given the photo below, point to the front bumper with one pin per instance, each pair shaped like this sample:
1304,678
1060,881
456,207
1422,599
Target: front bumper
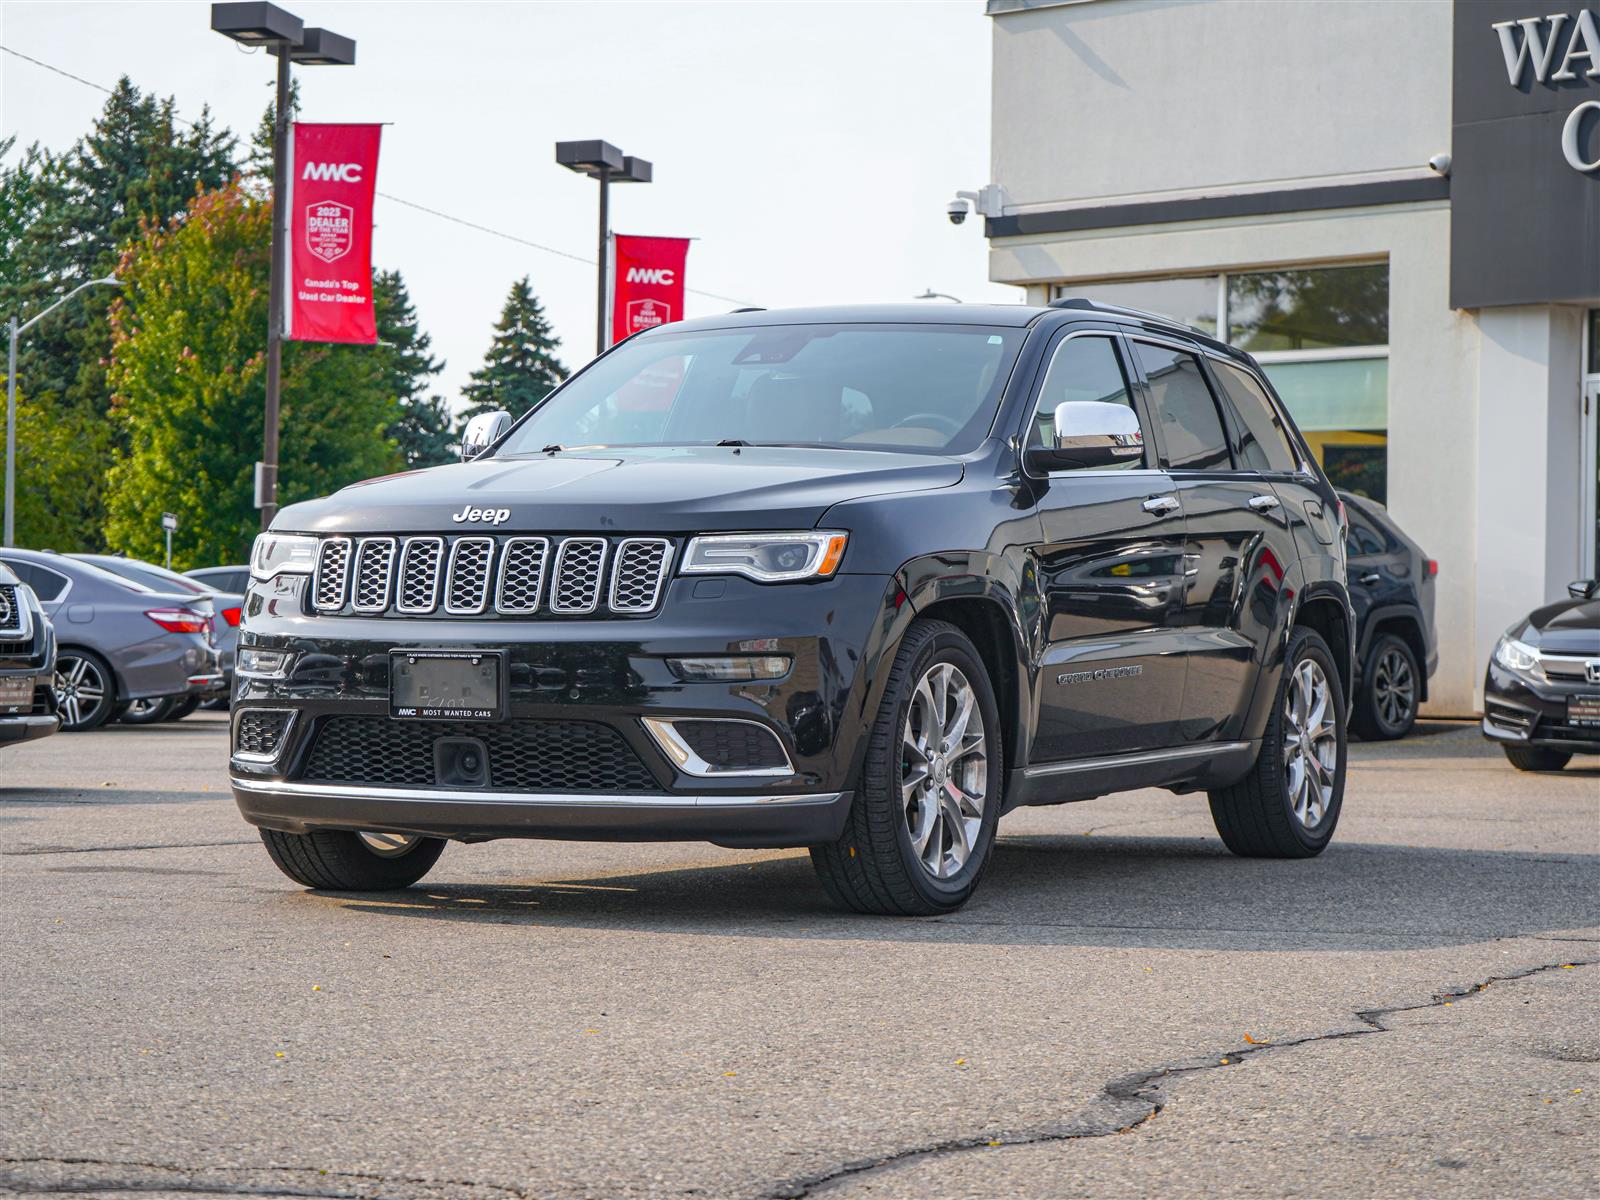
27,726
1521,711
574,675
730,820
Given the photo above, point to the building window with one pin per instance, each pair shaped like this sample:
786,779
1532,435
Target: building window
1320,333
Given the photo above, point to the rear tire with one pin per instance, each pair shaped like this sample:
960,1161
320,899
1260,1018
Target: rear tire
146,712
86,690
182,708
1273,812
1386,703
339,861
928,766
1536,758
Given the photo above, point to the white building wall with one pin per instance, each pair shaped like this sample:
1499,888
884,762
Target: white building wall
1121,99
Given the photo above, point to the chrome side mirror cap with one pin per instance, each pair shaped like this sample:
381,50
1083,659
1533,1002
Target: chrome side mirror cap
1090,433
483,431
1583,589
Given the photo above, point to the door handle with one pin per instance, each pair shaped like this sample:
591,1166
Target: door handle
1370,578
1263,504
1160,506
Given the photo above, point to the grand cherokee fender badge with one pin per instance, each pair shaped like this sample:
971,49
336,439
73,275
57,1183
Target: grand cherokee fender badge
492,515
1102,673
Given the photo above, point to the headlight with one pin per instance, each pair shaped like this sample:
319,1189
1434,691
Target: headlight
282,554
766,557
1516,656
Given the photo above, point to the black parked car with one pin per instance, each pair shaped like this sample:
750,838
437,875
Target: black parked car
1397,649
1541,695
853,579
27,664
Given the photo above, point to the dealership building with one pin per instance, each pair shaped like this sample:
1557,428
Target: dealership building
1394,207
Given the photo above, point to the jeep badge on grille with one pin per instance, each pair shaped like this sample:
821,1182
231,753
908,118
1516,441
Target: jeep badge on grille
492,515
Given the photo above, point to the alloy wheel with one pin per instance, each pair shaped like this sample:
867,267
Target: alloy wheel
388,845
1310,742
944,770
80,689
1394,687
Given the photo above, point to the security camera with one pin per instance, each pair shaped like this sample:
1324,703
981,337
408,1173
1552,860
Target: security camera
957,211
1440,163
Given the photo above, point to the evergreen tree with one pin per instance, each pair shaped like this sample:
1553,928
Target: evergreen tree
189,392
423,429
521,367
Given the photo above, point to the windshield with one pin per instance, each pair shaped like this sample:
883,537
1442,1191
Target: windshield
929,389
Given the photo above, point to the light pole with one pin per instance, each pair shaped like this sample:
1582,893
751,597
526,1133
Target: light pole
606,163
11,399
284,35
930,294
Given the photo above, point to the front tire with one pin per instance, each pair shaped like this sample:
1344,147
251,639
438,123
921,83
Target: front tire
1536,758
1288,805
922,824
1386,706
338,861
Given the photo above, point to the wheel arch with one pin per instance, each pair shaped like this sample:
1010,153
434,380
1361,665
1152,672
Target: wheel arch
1405,623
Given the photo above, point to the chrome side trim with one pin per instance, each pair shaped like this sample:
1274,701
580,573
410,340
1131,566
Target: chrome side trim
1137,758
527,799
690,763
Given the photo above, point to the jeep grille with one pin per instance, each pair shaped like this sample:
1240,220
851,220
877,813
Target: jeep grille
519,576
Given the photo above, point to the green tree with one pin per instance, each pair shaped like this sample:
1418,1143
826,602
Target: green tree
189,393
521,367
138,165
423,431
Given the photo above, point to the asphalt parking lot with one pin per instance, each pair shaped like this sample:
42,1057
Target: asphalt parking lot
1124,1008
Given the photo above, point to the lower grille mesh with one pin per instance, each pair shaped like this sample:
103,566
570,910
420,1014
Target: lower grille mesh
524,756
732,745
260,730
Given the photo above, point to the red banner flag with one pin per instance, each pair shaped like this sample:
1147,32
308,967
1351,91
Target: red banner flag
647,283
333,173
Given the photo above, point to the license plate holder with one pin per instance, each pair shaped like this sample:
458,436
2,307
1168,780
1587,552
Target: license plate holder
16,694
1584,711
447,685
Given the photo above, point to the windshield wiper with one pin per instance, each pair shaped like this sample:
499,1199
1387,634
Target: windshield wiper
733,442
553,448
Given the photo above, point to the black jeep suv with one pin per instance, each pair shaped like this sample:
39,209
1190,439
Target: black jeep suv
27,664
855,579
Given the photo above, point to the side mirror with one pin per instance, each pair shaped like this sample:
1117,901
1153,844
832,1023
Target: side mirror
483,431
1090,433
1583,589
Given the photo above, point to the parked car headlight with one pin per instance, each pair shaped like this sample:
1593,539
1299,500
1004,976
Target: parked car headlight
282,554
1515,655
766,557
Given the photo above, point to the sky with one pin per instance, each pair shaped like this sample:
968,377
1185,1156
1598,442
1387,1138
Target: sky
810,148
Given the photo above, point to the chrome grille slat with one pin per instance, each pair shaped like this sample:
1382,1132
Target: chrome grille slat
420,574
333,574
579,571
374,573
638,573
466,579
521,575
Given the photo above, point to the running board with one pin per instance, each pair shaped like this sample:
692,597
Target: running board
1182,768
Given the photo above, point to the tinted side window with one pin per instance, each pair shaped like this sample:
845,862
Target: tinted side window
46,584
1264,443
1082,368
1364,539
1191,429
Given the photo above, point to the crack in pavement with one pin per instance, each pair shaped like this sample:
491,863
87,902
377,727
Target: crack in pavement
105,849
1127,1103
18,1186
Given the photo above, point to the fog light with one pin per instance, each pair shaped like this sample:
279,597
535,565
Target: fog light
730,670
261,664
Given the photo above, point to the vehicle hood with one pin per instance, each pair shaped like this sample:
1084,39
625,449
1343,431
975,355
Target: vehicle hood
1566,627
654,490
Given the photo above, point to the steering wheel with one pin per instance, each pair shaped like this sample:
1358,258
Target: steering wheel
937,420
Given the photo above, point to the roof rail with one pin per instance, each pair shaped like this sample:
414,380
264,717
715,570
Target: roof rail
1097,306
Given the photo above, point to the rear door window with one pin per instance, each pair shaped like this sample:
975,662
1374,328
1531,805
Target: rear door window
1191,428
1264,443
